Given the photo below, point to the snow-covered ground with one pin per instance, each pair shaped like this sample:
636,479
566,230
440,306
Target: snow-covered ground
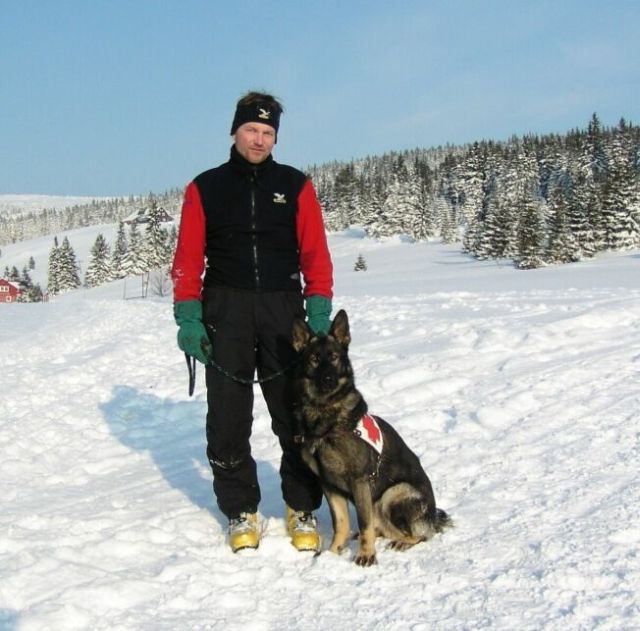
518,390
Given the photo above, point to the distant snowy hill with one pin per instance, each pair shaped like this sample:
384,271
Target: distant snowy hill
17,204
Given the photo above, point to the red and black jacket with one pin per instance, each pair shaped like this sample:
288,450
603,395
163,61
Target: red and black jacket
258,226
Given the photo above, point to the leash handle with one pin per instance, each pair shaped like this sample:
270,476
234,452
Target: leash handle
191,366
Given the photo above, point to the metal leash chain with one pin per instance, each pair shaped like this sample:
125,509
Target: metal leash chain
191,365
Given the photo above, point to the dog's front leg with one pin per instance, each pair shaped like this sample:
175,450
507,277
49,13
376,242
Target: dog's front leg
340,517
364,509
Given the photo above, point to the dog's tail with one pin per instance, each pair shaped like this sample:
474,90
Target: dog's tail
433,521
441,520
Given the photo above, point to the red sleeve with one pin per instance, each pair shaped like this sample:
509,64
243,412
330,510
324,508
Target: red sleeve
315,260
188,262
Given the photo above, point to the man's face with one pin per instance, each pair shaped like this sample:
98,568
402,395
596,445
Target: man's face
254,141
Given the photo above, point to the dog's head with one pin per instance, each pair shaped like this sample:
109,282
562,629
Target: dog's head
324,360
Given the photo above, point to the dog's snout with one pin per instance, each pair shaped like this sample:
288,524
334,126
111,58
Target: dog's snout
327,379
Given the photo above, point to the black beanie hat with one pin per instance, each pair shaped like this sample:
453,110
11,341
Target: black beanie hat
256,113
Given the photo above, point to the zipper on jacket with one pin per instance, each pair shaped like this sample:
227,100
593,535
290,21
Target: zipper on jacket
254,238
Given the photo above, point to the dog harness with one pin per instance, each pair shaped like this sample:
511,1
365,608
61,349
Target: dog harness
368,430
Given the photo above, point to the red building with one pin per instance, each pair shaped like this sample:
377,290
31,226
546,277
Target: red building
8,291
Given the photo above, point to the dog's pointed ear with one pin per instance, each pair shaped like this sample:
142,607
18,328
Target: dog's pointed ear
340,328
301,334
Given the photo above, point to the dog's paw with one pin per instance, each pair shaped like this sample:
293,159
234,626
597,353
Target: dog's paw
337,549
399,546
365,560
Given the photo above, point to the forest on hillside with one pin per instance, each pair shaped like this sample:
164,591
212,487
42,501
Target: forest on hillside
537,199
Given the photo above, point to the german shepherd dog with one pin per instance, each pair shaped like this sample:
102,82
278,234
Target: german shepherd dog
357,457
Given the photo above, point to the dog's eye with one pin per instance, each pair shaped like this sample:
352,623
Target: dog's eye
333,357
315,358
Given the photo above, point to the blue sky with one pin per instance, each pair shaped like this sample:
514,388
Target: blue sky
118,97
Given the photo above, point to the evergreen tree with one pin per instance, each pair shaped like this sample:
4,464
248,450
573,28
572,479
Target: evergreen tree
156,249
32,263
594,156
448,230
562,246
99,268
619,204
401,210
119,253
53,276
530,233
472,171
173,242
14,275
361,264
25,283
34,294
69,270
133,263
585,215
345,197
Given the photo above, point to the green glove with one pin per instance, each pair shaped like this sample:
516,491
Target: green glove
192,336
318,312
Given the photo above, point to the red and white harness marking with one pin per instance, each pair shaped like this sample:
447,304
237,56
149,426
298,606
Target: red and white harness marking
369,430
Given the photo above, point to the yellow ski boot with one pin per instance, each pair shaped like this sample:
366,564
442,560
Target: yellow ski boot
303,530
243,532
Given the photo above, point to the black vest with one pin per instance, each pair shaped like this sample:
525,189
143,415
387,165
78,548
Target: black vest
250,213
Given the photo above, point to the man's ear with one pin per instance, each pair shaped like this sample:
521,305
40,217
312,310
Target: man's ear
301,334
340,328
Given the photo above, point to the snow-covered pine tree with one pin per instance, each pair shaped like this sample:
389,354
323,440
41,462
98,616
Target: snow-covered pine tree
119,253
53,274
25,281
156,243
34,293
516,192
448,223
585,214
99,268
69,270
472,171
562,246
14,275
173,242
530,233
361,264
25,284
344,199
620,194
594,156
133,263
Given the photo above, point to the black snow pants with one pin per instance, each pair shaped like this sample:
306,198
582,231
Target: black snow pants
252,331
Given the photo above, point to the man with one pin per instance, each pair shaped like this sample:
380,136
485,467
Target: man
258,225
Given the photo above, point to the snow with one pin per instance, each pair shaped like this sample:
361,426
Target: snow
517,389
